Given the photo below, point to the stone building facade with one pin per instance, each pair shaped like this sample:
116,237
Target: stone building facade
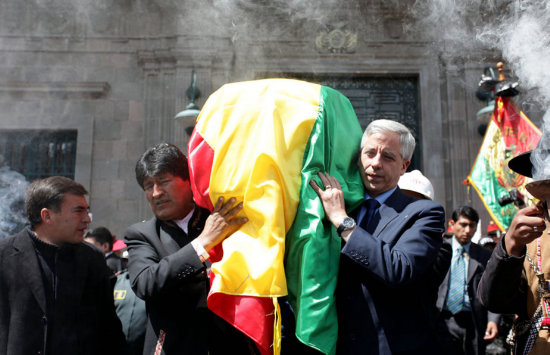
116,73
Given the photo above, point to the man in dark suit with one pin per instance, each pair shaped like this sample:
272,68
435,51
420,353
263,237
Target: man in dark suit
464,324
168,258
103,239
388,255
55,294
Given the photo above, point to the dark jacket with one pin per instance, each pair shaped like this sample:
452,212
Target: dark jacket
381,293
166,272
84,319
509,285
478,258
115,263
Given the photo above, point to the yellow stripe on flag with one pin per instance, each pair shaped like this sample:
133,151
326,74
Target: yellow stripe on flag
259,144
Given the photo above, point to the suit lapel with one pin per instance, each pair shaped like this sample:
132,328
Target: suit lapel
169,232
27,261
444,286
383,218
390,210
168,243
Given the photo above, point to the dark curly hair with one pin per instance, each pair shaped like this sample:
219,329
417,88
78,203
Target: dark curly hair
160,159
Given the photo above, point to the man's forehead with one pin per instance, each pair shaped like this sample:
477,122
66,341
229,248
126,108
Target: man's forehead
464,219
159,176
390,141
71,200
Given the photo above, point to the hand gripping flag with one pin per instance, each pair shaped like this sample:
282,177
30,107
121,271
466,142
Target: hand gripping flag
262,142
509,133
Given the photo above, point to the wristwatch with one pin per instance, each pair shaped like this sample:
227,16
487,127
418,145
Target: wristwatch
347,223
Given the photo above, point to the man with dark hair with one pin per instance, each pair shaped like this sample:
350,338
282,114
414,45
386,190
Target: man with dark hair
168,257
102,238
464,324
388,256
160,159
55,293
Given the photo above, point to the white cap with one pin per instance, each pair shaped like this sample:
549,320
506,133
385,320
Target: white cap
416,182
486,240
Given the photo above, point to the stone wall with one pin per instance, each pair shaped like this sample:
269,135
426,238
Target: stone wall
117,72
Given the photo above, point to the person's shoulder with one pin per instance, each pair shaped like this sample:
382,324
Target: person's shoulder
483,252
90,249
145,227
85,254
422,204
4,242
8,242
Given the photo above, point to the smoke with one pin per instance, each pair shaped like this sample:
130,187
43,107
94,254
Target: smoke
12,201
525,45
528,51
249,20
518,29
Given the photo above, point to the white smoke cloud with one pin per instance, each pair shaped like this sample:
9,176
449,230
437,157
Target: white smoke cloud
518,29
12,201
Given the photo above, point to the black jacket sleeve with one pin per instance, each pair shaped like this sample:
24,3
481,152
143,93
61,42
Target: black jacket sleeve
503,285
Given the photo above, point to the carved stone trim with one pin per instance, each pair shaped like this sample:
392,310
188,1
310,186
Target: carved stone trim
90,89
338,40
156,58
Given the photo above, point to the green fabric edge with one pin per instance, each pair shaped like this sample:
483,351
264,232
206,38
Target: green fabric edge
312,244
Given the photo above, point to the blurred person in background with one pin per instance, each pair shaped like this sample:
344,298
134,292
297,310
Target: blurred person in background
55,291
465,326
102,238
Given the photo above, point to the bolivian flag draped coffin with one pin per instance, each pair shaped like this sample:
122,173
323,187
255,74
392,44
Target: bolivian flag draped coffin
262,142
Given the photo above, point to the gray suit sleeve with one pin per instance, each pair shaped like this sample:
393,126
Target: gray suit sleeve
493,317
151,275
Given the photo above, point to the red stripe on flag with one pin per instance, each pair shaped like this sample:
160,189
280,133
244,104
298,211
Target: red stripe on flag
254,316
201,155
515,127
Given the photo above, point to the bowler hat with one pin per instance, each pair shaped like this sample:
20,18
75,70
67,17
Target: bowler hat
521,164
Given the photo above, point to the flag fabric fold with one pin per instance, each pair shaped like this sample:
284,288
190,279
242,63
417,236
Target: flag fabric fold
509,133
261,141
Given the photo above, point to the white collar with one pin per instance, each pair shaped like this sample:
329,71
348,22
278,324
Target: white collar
184,222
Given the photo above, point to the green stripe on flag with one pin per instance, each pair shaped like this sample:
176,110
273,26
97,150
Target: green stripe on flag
312,245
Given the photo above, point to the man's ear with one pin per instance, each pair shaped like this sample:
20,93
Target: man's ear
105,247
45,214
406,164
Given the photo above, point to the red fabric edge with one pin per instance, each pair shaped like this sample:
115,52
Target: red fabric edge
254,316
200,156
